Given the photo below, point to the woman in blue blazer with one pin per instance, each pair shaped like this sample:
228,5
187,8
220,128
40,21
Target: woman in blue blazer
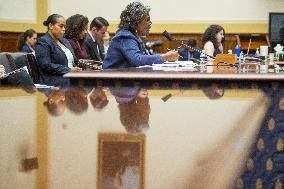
126,49
54,53
27,41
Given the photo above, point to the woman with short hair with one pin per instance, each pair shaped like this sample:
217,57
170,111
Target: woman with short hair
126,48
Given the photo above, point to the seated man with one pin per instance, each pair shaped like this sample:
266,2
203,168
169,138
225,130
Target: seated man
93,42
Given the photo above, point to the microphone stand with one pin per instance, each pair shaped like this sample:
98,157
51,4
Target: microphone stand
170,38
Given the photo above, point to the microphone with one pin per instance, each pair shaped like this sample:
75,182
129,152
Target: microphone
170,38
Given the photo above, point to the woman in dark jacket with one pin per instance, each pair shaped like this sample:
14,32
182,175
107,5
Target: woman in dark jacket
27,41
54,53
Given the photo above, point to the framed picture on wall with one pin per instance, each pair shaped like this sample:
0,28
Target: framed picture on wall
121,161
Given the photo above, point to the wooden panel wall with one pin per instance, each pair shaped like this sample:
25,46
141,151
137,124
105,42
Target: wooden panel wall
9,41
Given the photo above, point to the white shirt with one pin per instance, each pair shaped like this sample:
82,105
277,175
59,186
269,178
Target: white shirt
69,55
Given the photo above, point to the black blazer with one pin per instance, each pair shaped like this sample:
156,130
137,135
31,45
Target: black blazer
52,61
92,51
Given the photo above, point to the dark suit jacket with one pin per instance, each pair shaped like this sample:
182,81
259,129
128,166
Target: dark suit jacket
92,50
26,49
52,61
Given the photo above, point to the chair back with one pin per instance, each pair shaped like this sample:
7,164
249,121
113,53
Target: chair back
34,71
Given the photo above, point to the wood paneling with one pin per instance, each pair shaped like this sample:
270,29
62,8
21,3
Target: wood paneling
9,41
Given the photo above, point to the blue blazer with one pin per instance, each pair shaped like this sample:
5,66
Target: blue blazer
52,61
26,48
125,50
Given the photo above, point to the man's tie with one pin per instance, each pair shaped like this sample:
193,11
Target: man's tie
97,50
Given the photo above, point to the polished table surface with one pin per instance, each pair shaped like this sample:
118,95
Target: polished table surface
111,137
174,74
200,131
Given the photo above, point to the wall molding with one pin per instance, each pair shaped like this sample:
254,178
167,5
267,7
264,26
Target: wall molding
179,28
20,26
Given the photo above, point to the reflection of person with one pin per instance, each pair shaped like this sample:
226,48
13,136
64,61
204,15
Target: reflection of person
76,99
134,108
76,30
55,102
54,53
213,40
126,49
93,41
213,92
121,165
127,176
27,40
98,98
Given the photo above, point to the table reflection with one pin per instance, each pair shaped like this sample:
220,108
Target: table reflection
173,137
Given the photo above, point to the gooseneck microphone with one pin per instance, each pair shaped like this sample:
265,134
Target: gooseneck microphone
170,38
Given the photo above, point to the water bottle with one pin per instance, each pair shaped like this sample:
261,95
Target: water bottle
203,61
203,57
238,51
257,54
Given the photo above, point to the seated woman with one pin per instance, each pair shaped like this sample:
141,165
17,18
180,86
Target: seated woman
76,30
54,53
27,40
106,40
125,49
213,40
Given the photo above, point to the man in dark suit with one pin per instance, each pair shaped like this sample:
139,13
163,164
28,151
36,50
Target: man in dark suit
93,40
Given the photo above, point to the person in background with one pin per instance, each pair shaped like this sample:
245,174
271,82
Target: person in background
27,40
93,42
18,79
213,40
106,40
54,53
2,71
188,53
126,49
76,30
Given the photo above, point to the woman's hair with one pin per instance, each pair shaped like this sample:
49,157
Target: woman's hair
75,25
134,115
76,100
23,37
131,15
52,19
98,98
210,35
